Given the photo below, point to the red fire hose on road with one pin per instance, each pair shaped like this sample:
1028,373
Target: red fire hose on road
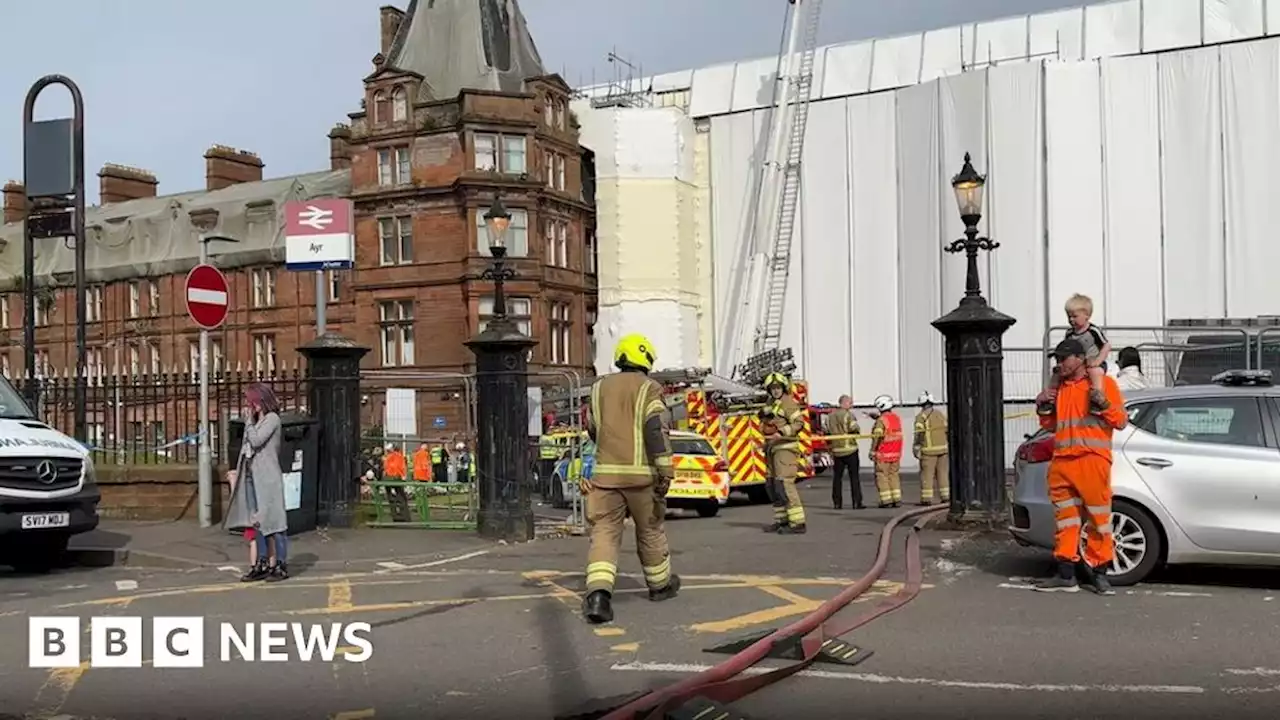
720,682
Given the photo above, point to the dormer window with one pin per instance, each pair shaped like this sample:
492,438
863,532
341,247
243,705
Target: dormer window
381,107
399,105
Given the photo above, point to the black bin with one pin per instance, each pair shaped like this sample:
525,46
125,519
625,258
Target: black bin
299,462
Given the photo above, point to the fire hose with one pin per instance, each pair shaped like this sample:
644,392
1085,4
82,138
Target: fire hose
722,684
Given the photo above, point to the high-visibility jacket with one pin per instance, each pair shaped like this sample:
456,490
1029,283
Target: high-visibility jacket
622,405
842,422
394,466
1076,431
888,434
437,456
931,433
547,449
788,421
421,465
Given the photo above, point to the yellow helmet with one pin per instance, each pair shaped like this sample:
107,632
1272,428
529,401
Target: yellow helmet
635,350
777,378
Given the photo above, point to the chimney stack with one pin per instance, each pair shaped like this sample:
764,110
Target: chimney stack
15,202
226,166
391,18
340,147
118,183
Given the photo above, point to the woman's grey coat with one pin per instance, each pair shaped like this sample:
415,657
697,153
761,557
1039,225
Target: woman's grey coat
259,482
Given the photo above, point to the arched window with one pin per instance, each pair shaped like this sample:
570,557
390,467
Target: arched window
399,105
381,112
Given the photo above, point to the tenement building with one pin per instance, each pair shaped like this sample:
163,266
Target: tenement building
433,141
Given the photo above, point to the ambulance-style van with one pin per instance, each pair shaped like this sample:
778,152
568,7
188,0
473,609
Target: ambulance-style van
47,488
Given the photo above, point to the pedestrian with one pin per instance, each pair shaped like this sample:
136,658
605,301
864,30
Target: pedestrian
1080,471
464,463
842,429
1129,376
886,451
257,501
422,463
1080,318
632,473
782,419
930,448
440,464
395,470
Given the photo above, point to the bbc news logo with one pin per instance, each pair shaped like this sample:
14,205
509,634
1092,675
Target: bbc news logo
179,642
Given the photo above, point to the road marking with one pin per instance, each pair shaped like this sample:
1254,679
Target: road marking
229,568
796,605
610,631
435,563
56,689
1016,586
353,714
1257,671
1156,593
626,647
392,565
340,595
126,585
876,679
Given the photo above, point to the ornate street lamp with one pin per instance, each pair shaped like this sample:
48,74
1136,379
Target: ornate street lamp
975,374
496,222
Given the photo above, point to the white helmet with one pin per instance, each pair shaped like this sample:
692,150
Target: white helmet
461,446
884,403
927,398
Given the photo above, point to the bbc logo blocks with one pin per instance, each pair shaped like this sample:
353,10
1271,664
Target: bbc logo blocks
116,642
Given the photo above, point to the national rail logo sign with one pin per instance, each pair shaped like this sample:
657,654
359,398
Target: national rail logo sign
179,642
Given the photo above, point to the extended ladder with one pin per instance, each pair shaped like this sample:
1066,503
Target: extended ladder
769,327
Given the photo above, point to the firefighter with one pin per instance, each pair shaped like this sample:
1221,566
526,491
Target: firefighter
930,448
782,419
1080,471
844,454
886,451
631,474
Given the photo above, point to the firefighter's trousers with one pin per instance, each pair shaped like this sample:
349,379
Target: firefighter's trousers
784,466
1080,490
935,469
607,510
888,481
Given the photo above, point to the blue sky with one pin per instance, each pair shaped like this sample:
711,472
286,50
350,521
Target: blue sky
165,79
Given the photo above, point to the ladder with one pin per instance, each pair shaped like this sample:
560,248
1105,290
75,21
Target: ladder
769,329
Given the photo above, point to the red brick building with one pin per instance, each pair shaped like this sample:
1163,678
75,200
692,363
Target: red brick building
422,160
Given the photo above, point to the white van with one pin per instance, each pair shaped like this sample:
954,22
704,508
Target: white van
47,488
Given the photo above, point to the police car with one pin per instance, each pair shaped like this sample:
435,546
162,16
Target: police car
47,488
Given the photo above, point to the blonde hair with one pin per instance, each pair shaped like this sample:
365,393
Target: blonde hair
1080,302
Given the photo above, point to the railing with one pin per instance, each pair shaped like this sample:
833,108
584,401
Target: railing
154,419
1178,355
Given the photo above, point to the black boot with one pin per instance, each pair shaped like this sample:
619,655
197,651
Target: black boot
1097,579
279,571
258,571
776,527
1064,581
666,593
597,607
798,529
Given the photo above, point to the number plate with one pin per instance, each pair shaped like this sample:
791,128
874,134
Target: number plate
689,474
687,492
38,521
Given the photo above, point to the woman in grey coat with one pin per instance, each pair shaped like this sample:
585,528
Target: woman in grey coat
257,500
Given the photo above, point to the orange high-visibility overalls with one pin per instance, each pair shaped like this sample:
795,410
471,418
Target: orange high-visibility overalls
393,465
422,465
1080,472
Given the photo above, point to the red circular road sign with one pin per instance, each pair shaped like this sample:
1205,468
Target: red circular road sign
208,296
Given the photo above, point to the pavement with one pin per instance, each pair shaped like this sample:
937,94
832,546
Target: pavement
461,628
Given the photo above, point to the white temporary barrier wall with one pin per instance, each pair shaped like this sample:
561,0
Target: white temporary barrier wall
1140,181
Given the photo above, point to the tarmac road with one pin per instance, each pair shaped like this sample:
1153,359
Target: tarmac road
497,634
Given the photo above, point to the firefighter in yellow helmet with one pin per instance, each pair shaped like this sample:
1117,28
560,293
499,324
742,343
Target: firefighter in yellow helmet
632,474
782,418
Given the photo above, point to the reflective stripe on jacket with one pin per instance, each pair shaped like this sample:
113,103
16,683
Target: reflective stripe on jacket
842,422
888,433
931,432
621,404
1076,431
788,421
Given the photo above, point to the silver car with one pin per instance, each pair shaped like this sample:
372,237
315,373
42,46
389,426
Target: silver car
1195,476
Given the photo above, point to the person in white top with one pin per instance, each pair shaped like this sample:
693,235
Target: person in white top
1130,377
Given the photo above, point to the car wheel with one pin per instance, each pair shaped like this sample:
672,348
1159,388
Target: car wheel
1139,546
38,555
709,508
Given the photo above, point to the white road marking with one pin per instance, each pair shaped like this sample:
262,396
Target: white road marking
229,568
1268,598
390,565
395,566
1257,671
126,584
1016,586
1018,583
876,679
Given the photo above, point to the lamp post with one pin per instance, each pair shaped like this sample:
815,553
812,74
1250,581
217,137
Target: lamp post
973,334
502,401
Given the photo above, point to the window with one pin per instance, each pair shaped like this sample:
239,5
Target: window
93,362
517,233
135,299
548,111
264,287
193,356
1215,421
511,161
43,306
93,304
557,243
215,356
153,298
4,312
399,105
561,329
380,107
135,361
519,309
5,368
394,166
264,354
589,249
549,168
559,114
153,356
397,333
559,172
396,239
591,335
333,286
157,432
43,368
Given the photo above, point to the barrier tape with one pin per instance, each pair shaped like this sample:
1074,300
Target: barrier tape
184,440
868,436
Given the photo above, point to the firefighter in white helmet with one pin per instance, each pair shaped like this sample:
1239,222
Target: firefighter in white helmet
930,448
886,451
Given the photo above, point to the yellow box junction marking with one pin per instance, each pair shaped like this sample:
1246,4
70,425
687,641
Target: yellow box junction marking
795,605
626,647
340,595
56,689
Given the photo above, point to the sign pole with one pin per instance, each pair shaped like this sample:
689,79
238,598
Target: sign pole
322,295
205,455
208,301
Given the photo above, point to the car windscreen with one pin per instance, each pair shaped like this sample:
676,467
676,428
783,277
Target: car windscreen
11,403
691,446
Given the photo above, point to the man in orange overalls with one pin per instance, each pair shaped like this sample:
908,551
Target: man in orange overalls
394,469
1080,472
422,463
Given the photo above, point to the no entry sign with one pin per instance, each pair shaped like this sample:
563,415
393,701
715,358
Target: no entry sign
207,296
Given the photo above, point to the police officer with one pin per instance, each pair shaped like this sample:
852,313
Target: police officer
930,448
783,418
631,474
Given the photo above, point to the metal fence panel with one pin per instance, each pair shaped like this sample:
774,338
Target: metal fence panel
1172,355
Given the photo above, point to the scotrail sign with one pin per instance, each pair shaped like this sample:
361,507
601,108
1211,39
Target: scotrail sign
319,235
